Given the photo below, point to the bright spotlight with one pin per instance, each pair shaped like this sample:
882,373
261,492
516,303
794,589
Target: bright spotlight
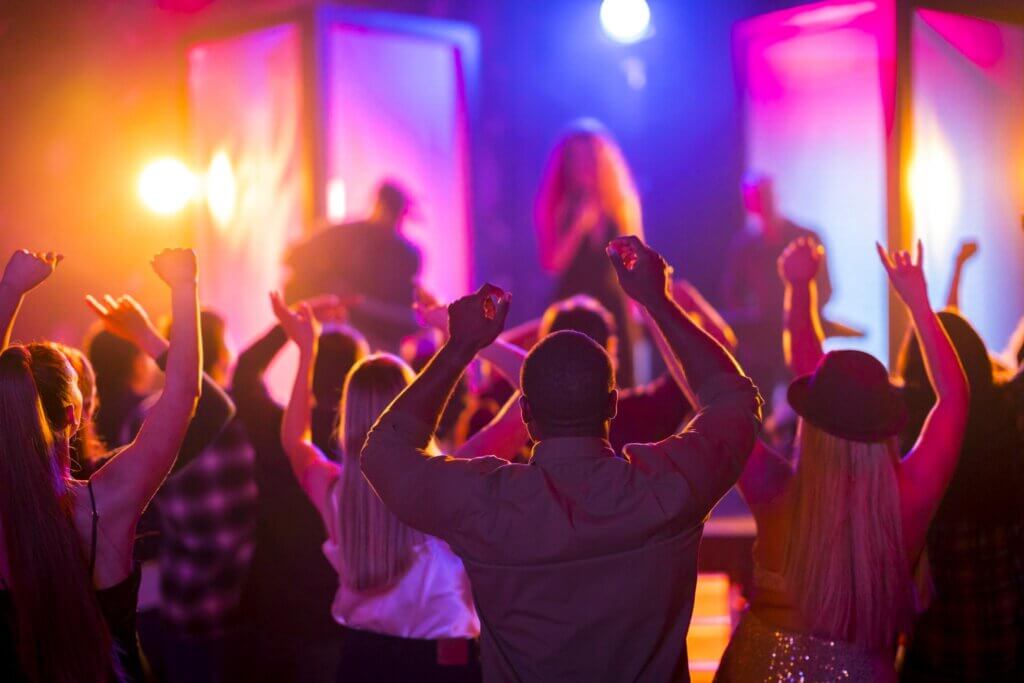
337,204
626,21
166,186
221,189
933,183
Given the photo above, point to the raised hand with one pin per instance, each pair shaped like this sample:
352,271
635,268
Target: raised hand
299,324
476,320
26,269
968,250
176,267
643,273
125,318
800,260
906,274
328,307
430,311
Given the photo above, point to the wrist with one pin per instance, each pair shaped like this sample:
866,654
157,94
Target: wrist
307,349
659,304
11,290
184,286
458,351
920,307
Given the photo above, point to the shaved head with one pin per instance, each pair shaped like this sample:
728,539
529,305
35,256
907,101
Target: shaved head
568,385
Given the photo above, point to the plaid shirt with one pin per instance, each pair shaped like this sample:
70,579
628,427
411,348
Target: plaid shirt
974,628
208,518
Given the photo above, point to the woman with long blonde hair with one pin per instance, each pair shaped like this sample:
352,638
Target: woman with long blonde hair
587,198
840,533
399,591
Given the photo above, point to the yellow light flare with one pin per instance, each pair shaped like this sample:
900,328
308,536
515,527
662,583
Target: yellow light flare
166,186
933,182
221,189
337,200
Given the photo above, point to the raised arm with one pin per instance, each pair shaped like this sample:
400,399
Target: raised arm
505,356
428,493
802,335
924,474
311,467
127,319
128,481
502,437
25,270
690,300
644,276
968,249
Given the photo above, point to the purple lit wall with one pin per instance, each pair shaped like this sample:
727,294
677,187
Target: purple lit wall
966,176
812,94
395,108
295,124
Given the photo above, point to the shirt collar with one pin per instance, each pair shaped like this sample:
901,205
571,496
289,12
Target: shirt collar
571,448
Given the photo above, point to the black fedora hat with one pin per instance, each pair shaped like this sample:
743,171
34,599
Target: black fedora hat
849,395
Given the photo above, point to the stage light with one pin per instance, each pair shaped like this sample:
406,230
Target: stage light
933,183
337,200
221,189
626,21
166,185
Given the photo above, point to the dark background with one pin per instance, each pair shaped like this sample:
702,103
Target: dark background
92,89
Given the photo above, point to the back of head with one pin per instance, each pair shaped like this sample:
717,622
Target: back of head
977,366
376,548
582,314
61,633
567,378
213,334
114,361
338,350
51,370
392,201
844,558
213,337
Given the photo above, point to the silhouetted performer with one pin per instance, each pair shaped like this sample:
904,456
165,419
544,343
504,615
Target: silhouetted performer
587,198
752,290
369,264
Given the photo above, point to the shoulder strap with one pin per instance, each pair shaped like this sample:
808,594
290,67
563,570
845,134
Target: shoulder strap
95,524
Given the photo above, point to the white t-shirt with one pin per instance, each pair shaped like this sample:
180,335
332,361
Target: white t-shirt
433,600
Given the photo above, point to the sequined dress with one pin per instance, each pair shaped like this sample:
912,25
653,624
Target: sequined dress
760,652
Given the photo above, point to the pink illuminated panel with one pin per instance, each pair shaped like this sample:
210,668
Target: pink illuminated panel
813,94
395,108
966,177
245,97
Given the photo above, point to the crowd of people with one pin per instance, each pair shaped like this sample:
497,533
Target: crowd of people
472,501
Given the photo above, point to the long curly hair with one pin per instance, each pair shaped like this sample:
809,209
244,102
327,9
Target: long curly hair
616,191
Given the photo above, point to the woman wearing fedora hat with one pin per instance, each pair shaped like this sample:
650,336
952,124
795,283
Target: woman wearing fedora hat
839,532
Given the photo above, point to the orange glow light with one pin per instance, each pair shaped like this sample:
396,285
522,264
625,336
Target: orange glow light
166,185
221,189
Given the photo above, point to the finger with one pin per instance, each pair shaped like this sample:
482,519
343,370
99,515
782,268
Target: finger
111,302
95,305
617,264
883,255
920,254
276,305
59,258
129,301
487,289
501,308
